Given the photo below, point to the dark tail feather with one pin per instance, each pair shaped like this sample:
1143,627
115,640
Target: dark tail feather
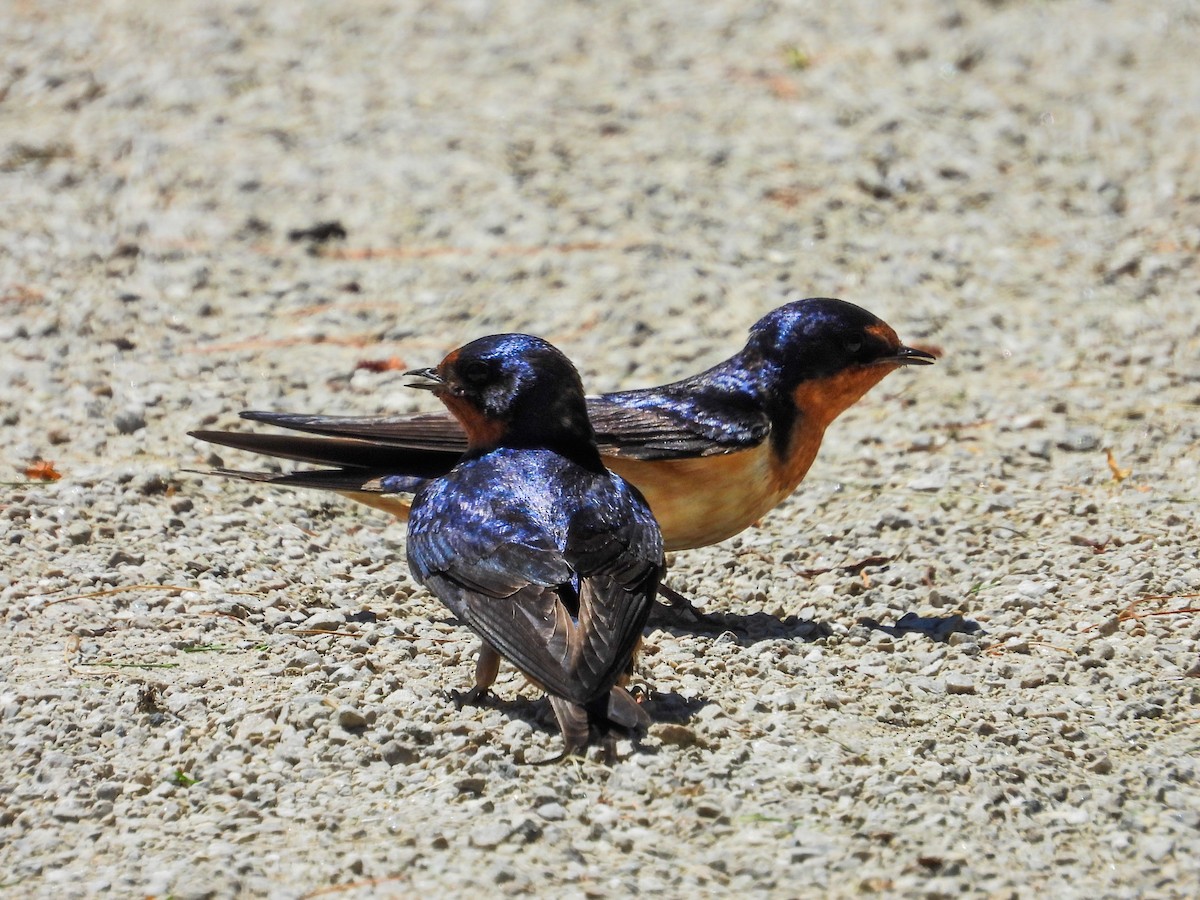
573,722
625,711
340,452
580,723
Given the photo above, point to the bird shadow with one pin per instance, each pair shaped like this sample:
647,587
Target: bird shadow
662,706
938,628
673,709
754,627
743,628
668,707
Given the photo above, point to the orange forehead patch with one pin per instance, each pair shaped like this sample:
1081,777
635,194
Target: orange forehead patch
885,333
448,362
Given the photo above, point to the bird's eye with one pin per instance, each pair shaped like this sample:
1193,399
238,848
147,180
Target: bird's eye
853,345
476,371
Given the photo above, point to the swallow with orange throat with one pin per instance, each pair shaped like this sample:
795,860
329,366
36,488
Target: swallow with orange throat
712,454
530,541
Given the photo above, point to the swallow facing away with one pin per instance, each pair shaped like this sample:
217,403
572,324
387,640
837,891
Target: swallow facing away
530,541
712,454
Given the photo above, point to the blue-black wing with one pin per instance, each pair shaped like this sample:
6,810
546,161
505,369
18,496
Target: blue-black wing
560,580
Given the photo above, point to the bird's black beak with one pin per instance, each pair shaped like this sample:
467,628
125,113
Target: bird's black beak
910,356
433,379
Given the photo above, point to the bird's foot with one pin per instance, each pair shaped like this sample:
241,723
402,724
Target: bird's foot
578,755
549,761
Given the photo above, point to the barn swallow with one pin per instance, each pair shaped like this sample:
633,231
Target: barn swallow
712,454
530,541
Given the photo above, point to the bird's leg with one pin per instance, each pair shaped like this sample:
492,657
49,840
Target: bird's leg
487,667
608,750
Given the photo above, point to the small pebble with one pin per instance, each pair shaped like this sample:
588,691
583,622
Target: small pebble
957,683
79,532
350,718
1079,440
489,835
931,482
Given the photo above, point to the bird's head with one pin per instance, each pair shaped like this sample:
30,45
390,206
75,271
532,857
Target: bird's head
827,353
512,390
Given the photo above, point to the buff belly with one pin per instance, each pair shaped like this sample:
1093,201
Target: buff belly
396,504
703,500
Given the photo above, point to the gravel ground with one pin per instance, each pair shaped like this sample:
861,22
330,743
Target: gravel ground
1015,183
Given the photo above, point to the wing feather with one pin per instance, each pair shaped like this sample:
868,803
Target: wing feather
642,424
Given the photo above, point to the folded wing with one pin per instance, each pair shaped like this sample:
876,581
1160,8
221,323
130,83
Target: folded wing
569,618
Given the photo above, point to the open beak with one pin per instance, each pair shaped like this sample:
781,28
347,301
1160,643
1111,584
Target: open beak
432,382
910,356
